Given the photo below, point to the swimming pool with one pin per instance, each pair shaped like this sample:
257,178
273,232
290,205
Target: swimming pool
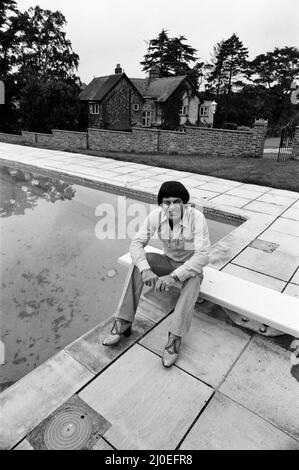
59,277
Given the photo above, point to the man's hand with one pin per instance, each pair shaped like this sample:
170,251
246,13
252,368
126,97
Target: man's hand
164,283
149,278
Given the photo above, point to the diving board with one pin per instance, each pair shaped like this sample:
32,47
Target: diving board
261,304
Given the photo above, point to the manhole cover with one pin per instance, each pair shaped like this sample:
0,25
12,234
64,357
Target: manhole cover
73,426
68,430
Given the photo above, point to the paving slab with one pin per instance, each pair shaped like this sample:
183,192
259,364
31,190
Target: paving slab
286,243
216,187
244,193
154,406
253,276
191,183
265,208
228,247
292,213
295,278
26,403
265,382
202,194
208,350
230,200
226,425
226,182
276,264
292,289
90,351
255,187
147,183
290,227
25,445
102,445
284,192
276,199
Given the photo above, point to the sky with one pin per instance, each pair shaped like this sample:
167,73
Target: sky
107,32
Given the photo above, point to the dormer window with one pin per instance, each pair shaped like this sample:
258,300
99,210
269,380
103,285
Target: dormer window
94,108
183,111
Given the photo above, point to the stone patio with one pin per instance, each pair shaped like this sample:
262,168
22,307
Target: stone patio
230,388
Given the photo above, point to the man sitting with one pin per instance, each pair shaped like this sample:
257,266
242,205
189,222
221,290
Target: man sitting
184,233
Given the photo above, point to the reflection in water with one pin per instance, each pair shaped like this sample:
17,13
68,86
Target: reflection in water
21,190
55,273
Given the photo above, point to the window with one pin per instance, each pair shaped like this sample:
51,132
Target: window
183,110
94,108
146,118
136,107
204,111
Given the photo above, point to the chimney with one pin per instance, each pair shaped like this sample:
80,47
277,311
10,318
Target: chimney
118,69
154,72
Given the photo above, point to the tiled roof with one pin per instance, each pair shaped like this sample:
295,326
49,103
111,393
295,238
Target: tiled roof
159,89
99,87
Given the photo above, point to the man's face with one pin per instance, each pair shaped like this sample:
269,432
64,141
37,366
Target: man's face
173,207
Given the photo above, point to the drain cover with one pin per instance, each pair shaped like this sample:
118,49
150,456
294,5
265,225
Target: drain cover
73,426
69,429
263,245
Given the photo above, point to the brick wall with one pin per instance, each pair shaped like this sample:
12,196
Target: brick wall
69,139
45,140
145,140
195,140
11,138
114,141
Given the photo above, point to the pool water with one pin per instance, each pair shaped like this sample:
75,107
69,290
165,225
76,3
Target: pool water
59,279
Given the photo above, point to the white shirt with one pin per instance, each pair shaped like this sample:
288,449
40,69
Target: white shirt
188,242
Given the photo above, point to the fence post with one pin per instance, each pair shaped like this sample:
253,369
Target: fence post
295,152
259,136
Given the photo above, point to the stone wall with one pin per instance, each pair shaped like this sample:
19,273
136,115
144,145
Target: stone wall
11,138
194,141
70,139
111,141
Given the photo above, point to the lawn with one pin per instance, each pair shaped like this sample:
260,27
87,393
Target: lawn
261,171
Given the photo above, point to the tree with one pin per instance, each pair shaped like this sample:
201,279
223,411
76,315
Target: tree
49,104
275,69
43,48
8,39
229,64
272,74
157,54
41,81
173,57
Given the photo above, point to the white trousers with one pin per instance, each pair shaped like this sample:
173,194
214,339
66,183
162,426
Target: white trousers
161,265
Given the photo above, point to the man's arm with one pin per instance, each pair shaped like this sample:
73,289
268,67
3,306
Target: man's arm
201,248
142,238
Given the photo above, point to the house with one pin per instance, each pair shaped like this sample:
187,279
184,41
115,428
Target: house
118,102
110,100
207,109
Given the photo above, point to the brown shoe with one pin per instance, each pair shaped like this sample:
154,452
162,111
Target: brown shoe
120,328
171,350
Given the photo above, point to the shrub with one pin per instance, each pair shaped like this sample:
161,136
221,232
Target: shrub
231,126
